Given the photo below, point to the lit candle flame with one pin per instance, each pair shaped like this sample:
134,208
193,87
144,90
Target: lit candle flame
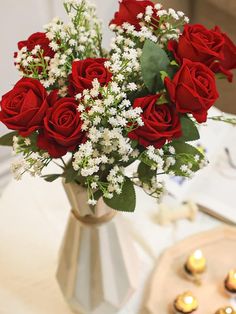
228,310
198,254
188,300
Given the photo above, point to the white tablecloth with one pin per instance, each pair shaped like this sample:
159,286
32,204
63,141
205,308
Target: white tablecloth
33,215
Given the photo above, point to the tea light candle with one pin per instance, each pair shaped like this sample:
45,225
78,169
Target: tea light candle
185,303
230,282
227,310
196,263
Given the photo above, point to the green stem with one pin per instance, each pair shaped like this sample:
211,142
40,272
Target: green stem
65,165
221,118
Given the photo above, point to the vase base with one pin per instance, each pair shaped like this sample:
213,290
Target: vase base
98,267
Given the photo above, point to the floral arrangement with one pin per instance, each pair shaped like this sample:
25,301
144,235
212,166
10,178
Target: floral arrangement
96,112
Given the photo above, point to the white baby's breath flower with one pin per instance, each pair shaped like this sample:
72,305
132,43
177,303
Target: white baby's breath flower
149,10
24,49
184,168
27,141
171,149
186,19
94,185
180,13
54,46
158,6
132,86
140,16
147,18
160,13
92,202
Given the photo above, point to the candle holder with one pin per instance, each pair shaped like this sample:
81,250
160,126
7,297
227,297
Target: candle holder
185,303
195,267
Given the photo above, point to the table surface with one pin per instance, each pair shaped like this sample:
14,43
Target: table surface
33,215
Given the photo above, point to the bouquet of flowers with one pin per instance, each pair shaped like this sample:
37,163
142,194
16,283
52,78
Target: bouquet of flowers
95,112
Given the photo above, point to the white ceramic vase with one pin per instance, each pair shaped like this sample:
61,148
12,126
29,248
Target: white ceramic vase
98,264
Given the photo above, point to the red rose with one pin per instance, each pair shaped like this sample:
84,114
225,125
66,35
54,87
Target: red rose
62,127
198,44
161,122
229,58
37,39
24,107
85,71
128,11
193,89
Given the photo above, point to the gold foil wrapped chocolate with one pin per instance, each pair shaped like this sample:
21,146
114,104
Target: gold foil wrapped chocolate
185,303
230,281
195,266
226,310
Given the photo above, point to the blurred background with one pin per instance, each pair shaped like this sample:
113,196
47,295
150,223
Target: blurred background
19,19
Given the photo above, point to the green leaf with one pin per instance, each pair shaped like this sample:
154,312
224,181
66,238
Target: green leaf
145,159
7,140
138,94
184,154
153,60
134,144
221,76
189,129
51,177
145,173
70,174
33,138
181,147
174,63
126,201
163,75
97,195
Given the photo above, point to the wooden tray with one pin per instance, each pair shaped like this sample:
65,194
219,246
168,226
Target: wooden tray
168,280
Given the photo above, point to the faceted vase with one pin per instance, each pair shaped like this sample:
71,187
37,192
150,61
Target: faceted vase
98,264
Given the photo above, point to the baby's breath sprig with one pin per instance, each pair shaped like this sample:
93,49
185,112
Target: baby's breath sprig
32,63
164,24
33,161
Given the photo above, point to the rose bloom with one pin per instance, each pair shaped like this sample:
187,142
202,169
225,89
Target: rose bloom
193,89
229,58
23,108
62,127
37,39
198,44
161,122
128,11
85,71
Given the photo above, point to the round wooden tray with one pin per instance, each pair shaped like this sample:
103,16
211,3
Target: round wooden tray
168,279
